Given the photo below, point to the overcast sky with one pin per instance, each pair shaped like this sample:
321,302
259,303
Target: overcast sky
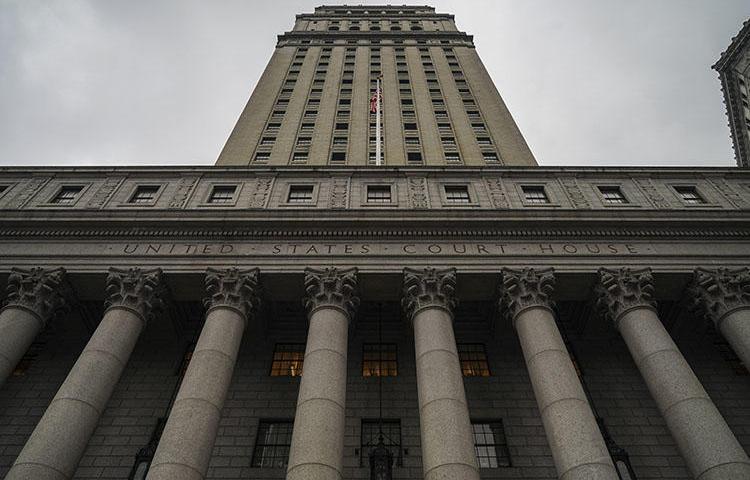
590,82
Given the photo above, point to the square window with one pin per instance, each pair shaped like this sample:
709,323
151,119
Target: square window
457,193
414,157
65,196
379,194
473,358
288,359
689,195
272,444
144,194
612,195
534,194
299,157
300,194
342,125
490,444
338,156
452,157
379,359
222,194
391,430
410,126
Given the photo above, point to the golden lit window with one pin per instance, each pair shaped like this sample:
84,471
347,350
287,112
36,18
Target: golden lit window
288,359
379,360
473,358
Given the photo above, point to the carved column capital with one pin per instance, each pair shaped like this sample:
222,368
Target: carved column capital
429,288
526,288
233,288
331,288
624,289
43,292
135,289
718,292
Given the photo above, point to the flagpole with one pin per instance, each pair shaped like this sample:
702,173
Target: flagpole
378,160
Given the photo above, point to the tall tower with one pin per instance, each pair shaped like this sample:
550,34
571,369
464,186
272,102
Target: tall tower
734,73
312,104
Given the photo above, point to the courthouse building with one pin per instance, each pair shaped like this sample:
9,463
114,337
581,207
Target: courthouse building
308,309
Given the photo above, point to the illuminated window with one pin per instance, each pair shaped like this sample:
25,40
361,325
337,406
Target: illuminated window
287,360
490,444
379,360
473,358
67,195
272,444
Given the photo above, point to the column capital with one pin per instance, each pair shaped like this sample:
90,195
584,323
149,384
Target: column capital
331,288
720,291
624,289
526,288
429,288
233,288
43,292
135,289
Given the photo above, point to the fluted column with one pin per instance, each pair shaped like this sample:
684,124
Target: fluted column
708,446
34,297
58,441
723,295
317,450
185,446
578,449
445,427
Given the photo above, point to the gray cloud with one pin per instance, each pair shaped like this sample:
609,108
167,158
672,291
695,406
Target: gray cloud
98,82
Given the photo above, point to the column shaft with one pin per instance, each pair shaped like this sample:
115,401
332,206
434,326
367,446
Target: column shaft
185,447
58,441
18,329
447,439
708,446
735,327
574,437
317,450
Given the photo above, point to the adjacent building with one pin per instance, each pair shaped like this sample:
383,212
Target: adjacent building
308,310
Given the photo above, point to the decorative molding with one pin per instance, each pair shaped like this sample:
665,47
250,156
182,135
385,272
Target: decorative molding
718,292
497,193
45,292
418,196
621,290
104,192
331,288
653,195
728,192
526,288
233,288
31,188
574,192
137,290
260,189
182,192
428,288
339,193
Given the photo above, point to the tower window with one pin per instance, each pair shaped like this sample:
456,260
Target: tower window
338,157
262,157
457,194
65,196
490,157
534,194
379,360
288,359
473,358
410,126
272,444
222,194
144,194
413,157
379,194
300,194
612,195
689,195
490,444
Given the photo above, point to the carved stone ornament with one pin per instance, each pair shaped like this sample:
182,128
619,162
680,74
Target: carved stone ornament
718,292
331,287
45,292
233,288
429,288
620,290
526,288
135,289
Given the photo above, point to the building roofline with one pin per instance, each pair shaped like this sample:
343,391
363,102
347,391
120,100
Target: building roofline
734,46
